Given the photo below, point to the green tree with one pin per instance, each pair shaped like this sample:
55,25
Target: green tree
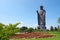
56,29
59,25
59,20
38,28
23,29
30,30
51,28
7,30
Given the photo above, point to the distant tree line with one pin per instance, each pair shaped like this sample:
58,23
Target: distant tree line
55,28
26,29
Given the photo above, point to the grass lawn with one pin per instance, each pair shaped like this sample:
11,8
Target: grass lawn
54,38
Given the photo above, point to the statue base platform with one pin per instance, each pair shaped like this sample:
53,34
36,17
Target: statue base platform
42,27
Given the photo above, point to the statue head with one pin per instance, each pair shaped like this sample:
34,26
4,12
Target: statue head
41,7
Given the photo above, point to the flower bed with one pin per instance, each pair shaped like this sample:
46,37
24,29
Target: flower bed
33,35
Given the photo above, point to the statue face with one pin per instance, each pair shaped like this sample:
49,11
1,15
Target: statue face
41,7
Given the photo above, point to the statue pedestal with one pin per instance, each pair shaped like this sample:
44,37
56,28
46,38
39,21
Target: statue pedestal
42,27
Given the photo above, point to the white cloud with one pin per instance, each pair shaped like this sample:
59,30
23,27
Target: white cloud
21,22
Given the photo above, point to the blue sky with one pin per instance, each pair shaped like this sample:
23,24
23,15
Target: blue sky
12,11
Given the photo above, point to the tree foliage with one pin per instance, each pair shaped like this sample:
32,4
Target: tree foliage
23,29
59,28
30,30
7,30
59,23
56,29
59,20
51,28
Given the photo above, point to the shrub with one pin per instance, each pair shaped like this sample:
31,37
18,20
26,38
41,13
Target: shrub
23,29
7,30
30,30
